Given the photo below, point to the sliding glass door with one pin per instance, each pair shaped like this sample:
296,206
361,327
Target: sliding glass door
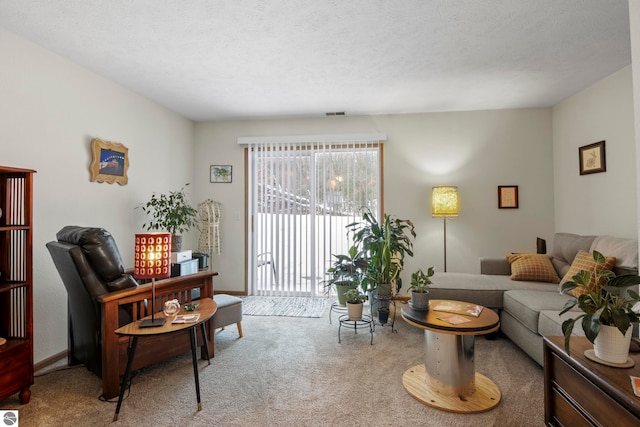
301,196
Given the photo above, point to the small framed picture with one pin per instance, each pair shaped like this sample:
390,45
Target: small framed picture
109,163
592,158
508,196
220,173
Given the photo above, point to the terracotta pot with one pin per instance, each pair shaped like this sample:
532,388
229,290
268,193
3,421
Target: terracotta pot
611,346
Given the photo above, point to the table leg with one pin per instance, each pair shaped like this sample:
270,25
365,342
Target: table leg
127,372
449,363
447,380
206,343
195,365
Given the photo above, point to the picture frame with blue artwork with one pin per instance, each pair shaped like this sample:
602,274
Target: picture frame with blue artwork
110,162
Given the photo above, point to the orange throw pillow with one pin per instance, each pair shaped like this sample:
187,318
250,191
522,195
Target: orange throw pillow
584,261
534,267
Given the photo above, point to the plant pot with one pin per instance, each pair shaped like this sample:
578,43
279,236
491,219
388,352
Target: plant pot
176,243
354,311
420,300
341,288
383,315
611,346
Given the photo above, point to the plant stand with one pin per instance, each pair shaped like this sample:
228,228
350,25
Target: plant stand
388,301
340,309
365,322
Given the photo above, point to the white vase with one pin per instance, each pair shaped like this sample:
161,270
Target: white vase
611,346
355,311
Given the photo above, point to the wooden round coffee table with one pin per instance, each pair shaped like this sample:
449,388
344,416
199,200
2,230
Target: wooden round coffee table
447,380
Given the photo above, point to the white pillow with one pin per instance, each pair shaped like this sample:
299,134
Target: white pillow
624,250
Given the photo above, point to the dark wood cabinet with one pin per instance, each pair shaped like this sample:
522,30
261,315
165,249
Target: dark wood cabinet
579,392
16,283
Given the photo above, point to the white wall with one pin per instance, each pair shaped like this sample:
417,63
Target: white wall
51,109
601,203
634,24
477,151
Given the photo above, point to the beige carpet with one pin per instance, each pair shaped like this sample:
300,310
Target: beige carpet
290,372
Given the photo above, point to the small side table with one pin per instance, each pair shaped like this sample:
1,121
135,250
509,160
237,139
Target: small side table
206,309
365,322
448,380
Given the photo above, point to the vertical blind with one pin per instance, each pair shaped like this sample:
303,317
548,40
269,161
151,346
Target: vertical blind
301,196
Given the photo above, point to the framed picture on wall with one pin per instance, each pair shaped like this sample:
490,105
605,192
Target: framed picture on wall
220,173
109,163
508,196
592,158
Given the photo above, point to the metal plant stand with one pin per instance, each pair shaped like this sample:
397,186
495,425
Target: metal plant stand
365,322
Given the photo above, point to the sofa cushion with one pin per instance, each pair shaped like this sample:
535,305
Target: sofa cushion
483,289
550,323
585,261
526,305
565,249
624,250
534,267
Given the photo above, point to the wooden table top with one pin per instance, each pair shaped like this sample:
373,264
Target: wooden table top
206,308
487,322
615,381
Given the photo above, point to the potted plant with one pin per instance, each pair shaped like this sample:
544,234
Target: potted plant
172,213
385,245
355,301
420,282
607,310
383,315
346,272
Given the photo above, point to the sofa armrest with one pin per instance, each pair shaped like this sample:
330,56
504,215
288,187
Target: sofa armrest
499,266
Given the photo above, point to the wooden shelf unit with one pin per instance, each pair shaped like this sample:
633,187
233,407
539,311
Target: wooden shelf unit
16,282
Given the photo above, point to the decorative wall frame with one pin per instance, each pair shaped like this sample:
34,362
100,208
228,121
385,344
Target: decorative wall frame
220,173
110,162
508,196
592,158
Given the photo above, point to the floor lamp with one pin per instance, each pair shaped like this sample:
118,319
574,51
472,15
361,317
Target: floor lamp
444,203
152,253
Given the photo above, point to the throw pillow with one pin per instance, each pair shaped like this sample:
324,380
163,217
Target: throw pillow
535,267
584,261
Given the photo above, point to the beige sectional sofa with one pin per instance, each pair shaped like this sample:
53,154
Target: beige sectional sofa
530,310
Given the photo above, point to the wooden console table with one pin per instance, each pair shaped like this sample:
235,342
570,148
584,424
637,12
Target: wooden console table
579,392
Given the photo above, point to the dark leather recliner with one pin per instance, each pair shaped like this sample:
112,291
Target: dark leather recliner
102,296
90,265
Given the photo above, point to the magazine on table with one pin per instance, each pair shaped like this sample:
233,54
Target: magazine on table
186,318
458,307
453,319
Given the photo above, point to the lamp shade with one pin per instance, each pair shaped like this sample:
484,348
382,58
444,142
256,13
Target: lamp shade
152,252
444,201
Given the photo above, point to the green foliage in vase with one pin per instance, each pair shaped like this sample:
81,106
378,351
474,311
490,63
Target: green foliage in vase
606,303
170,212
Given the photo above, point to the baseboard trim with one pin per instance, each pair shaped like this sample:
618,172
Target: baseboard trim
50,360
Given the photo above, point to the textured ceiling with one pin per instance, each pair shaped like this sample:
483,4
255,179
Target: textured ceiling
212,60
